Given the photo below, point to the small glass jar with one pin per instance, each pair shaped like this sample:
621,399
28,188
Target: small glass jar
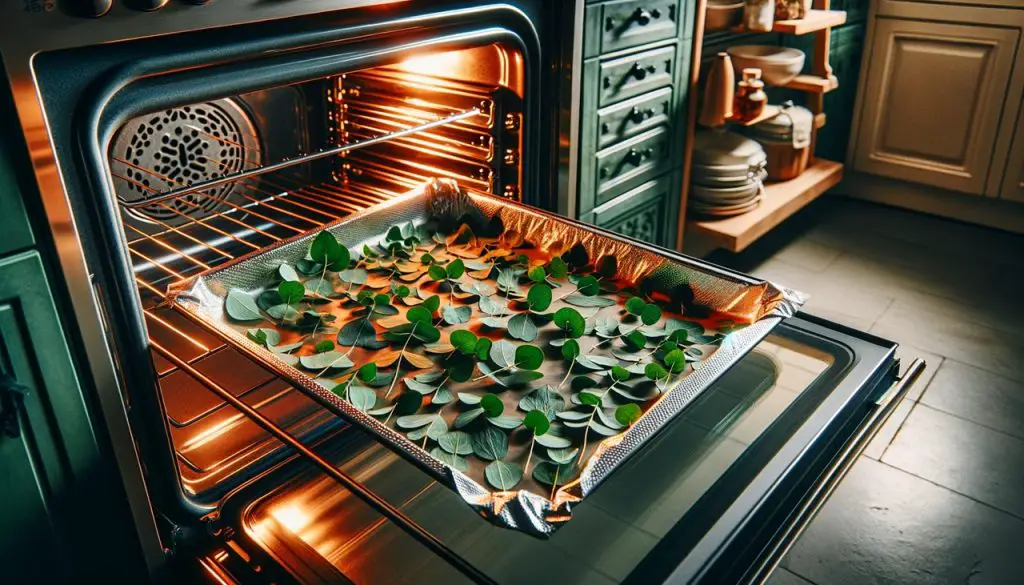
750,98
759,15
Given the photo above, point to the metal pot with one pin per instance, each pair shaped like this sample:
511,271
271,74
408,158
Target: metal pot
786,139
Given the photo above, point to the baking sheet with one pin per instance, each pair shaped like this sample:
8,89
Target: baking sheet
744,309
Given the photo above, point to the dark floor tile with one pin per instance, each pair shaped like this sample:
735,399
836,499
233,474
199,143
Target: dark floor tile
783,576
954,336
964,456
876,448
884,526
977,395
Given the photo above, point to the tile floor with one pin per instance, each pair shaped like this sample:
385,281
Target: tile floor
938,497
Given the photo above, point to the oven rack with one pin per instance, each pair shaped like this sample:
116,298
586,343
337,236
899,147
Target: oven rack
178,192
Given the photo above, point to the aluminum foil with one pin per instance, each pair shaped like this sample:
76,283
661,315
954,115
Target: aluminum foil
749,308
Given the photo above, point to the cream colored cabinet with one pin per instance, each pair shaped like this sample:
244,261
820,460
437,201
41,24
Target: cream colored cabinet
933,102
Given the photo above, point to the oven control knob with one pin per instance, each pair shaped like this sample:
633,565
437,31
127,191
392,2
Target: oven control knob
91,8
146,5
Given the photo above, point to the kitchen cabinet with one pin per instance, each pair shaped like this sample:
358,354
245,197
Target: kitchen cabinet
17,234
646,213
1013,180
933,99
46,443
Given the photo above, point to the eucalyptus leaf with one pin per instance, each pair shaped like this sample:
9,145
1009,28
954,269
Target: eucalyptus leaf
490,443
545,400
602,429
454,461
522,327
563,456
442,396
467,417
503,475
469,399
550,474
573,415
456,443
307,267
418,386
240,306
539,297
361,397
283,312
479,289
492,405
582,301
287,272
361,334
609,420
493,307
570,321
506,422
456,315
493,322
553,441
596,362
503,353
328,359
354,276
265,337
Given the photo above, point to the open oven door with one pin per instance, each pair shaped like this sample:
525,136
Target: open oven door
717,497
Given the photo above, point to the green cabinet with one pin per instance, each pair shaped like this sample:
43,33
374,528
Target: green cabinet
16,234
46,441
633,104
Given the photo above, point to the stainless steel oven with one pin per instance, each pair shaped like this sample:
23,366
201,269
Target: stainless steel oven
160,139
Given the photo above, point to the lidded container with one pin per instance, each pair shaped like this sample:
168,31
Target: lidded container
786,139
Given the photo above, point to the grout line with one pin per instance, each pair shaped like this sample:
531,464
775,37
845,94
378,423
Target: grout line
892,301
913,405
951,490
973,422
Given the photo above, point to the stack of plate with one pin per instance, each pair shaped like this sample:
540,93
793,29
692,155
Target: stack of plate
728,173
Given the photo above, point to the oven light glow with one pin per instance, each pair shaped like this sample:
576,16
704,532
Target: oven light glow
435,64
292,517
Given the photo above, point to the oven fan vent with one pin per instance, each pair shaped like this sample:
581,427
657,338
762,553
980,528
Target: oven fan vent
182,146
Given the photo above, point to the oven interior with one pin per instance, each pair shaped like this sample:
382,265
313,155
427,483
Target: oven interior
272,144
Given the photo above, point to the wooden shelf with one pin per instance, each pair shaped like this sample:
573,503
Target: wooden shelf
813,83
814,21
781,201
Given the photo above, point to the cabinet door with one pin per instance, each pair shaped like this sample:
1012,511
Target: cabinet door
932,103
646,213
1013,178
47,441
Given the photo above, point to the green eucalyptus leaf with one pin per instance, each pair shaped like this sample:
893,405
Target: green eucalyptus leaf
508,280
264,337
588,286
635,305
539,297
628,354
589,399
291,291
563,456
469,399
537,274
635,394
558,268
571,349
408,403
382,411
582,383
650,314
635,339
456,315
479,289
608,420
584,301
655,371
503,475
240,306
306,267
550,474
573,415
287,348
675,360
522,328
483,348
414,421
602,429
492,405
361,334
493,322
418,386
455,269
367,372
627,414
496,307
327,359
570,321
544,400
323,346
460,367
361,397
456,443
467,417
265,300
503,353
436,272
596,362
537,422
463,340
489,443
354,276
506,422
442,396
528,357
419,315
287,272
619,374
432,303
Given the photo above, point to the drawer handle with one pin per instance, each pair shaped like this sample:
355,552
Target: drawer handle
641,16
637,71
11,396
637,115
637,157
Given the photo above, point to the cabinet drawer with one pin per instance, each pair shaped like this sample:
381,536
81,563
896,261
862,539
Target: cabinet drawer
625,120
646,213
631,163
626,77
629,23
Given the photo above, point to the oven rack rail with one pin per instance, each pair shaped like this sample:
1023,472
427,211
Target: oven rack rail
178,192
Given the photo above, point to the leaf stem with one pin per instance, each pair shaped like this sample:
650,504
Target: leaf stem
398,362
586,431
571,364
526,468
491,375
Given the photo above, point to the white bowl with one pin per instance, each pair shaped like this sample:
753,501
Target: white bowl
778,65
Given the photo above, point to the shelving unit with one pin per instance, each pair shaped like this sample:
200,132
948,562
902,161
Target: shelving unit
782,199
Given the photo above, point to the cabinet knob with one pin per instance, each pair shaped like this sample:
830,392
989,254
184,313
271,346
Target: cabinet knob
640,72
636,157
637,115
11,395
642,16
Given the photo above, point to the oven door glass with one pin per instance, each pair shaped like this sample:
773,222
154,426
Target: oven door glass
664,515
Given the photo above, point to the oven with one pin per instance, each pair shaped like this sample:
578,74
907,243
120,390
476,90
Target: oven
161,139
